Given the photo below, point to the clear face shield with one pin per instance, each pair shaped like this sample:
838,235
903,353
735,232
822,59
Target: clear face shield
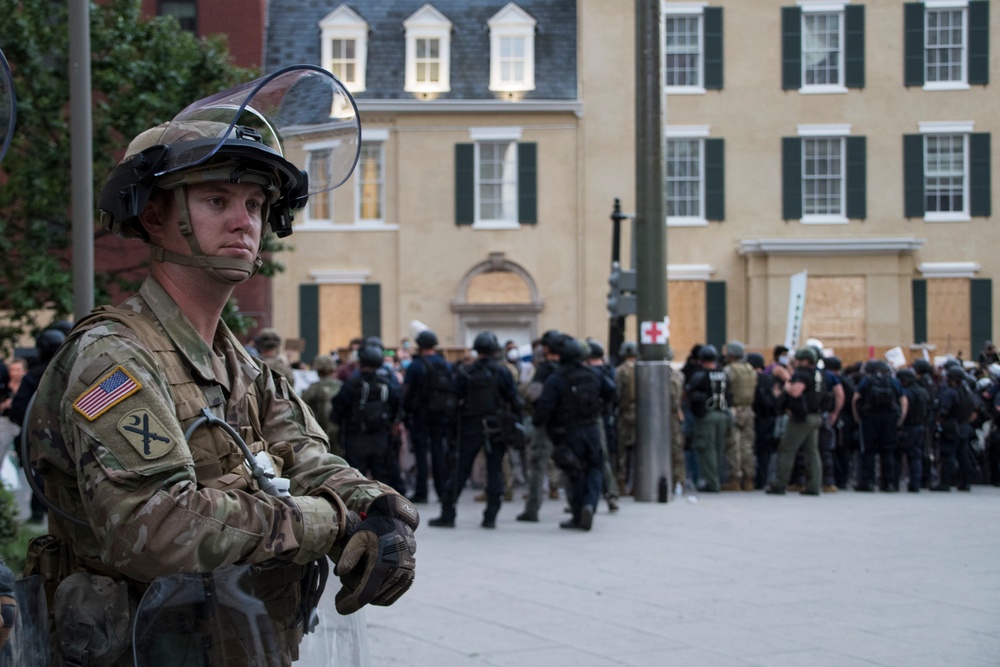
8,105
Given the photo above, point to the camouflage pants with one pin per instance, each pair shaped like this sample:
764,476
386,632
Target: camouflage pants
539,453
677,451
740,460
626,445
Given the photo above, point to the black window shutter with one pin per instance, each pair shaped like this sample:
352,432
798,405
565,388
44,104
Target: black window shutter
979,175
465,184
913,176
791,171
919,310
979,42
309,319
981,320
371,310
715,179
854,46
857,168
791,48
715,312
712,27
527,183
913,38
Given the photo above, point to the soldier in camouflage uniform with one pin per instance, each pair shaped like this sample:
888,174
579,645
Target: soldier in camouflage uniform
740,460
676,427
625,385
268,344
319,397
140,488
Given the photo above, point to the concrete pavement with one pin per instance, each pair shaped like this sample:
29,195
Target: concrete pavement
736,579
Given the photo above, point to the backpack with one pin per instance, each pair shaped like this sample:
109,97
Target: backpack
966,403
439,389
482,399
372,409
719,382
582,403
881,395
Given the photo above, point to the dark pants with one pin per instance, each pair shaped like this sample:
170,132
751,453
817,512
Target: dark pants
369,453
882,438
763,448
847,445
912,446
584,482
429,436
472,438
827,447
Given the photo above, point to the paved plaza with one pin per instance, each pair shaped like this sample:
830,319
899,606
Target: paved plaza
736,579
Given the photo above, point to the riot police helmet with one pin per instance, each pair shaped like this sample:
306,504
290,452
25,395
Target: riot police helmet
628,348
833,363
806,354
375,341
596,351
877,366
708,353
756,360
370,356
982,384
569,349
922,367
47,342
486,343
955,374
550,337
427,340
906,376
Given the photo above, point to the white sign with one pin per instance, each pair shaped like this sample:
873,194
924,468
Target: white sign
796,307
896,357
655,333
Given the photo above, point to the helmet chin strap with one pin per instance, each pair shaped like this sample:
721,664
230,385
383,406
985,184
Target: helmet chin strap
199,259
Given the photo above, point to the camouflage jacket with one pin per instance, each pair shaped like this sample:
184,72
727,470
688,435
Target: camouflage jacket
108,433
625,383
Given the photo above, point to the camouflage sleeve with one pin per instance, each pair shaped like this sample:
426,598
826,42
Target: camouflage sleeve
314,471
135,474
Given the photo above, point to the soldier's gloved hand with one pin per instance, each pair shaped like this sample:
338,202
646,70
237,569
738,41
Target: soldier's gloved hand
376,564
8,605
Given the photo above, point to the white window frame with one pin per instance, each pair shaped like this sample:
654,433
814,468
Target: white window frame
308,222
690,10
958,128
344,24
811,9
427,23
697,133
943,6
512,22
369,138
833,131
479,136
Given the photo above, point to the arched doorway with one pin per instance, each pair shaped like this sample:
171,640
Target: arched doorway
500,296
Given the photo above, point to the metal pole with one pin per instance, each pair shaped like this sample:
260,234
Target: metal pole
81,157
616,324
653,372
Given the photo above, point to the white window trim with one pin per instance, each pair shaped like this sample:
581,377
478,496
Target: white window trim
428,23
477,135
495,133
822,7
963,127
378,136
838,131
310,224
512,21
690,132
963,84
949,269
342,23
685,9
698,272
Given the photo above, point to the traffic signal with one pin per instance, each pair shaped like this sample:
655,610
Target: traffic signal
621,297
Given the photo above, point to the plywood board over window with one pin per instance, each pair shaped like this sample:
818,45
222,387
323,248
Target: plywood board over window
836,311
686,305
948,316
498,287
340,315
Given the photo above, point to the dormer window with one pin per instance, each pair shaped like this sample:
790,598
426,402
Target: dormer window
428,51
512,50
345,47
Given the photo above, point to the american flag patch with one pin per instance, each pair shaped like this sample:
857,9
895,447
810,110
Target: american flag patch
113,388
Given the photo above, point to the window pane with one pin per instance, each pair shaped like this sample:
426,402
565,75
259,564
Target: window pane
342,61
683,51
821,45
428,60
944,173
185,11
319,168
822,176
370,181
683,163
497,180
945,45
512,59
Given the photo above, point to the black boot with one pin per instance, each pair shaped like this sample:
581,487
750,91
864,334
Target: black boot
490,515
447,518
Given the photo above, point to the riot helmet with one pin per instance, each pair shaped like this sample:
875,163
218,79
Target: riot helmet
955,374
982,384
549,339
427,340
238,136
370,356
48,342
756,360
596,351
922,367
834,363
486,343
877,366
806,354
906,376
708,353
628,348
375,341
569,349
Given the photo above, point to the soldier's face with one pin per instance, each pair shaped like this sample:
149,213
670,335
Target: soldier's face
227,218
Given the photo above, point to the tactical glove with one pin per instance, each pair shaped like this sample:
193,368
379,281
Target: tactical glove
376,564
8,605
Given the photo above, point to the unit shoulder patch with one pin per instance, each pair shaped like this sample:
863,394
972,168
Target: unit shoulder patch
108,392
145,433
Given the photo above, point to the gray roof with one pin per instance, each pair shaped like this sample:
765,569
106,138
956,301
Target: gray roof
293,37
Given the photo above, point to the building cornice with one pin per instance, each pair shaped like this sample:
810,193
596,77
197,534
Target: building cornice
949,269
339,277
829,246
470,106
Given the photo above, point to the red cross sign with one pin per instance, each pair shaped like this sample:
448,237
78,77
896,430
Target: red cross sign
654,333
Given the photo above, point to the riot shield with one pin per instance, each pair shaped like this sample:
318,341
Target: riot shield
8,105
29,645
214,619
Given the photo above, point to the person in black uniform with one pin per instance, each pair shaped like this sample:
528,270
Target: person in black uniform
429,402
486,395
912,434
571,398
366,408
880,407
955,407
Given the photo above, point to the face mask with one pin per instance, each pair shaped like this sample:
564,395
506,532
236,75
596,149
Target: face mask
512,356
783,360
405,363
